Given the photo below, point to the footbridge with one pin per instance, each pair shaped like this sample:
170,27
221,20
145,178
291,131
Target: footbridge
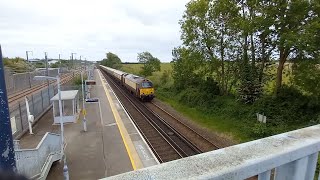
288,156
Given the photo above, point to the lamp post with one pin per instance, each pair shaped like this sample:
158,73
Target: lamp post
84,112
65,167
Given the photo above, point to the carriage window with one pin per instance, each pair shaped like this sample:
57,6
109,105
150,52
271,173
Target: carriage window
146,84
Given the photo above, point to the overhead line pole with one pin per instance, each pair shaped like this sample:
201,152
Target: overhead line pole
46,59
59,64
72,59
7,159
27,53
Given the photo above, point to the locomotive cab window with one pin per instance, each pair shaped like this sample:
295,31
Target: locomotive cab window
146,84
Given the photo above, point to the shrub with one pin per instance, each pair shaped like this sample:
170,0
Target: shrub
165,77
288,110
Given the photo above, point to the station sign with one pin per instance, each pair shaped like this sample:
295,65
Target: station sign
92,100
90,82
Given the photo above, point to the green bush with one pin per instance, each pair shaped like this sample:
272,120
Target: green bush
260,130
77,80
288,110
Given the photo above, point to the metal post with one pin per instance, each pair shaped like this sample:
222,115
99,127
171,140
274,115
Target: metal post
42,100
47,73
83,105
33,111
72,59
65,167
30,85
27,56
46,58
59,65
20,113
7,159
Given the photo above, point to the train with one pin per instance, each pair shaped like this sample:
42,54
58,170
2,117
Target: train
138,86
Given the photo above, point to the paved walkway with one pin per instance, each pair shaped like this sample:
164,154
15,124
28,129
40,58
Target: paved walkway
106,149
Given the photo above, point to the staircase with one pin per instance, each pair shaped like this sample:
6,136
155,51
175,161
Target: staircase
36,163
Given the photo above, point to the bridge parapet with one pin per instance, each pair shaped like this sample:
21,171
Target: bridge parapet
292,155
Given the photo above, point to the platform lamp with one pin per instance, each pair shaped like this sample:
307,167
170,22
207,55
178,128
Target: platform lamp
43,78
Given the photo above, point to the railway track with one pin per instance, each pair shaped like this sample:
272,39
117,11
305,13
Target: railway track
18,96
199,140
165,141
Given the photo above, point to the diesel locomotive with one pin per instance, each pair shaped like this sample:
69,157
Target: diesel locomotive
138,86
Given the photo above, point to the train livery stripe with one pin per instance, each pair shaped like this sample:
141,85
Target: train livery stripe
132,153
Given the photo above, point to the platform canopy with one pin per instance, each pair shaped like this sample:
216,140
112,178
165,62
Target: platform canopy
66,95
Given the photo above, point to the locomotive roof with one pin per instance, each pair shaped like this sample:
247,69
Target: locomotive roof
135,78
118,72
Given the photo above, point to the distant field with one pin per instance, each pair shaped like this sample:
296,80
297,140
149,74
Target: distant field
155,78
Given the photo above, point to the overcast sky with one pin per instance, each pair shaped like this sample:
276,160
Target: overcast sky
90,27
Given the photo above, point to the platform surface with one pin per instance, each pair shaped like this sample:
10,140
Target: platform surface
112,145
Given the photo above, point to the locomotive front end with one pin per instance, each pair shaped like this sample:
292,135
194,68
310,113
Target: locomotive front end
146,90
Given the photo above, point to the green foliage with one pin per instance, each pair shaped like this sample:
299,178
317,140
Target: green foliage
55,65
249,85
307,77
186,66
165,77
18,65
77,80
202,101
289,110
112,60
236,40
136,68
260,130
39,64
150,63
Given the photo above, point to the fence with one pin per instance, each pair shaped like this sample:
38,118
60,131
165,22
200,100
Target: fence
38,103
21,81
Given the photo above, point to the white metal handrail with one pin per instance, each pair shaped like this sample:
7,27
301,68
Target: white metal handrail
32,162
292,156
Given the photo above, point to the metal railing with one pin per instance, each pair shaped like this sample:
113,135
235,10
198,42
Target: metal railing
36,163
288,156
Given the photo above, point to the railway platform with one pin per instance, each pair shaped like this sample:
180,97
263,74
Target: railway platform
112,144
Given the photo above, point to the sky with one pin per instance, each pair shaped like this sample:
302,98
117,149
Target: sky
90,28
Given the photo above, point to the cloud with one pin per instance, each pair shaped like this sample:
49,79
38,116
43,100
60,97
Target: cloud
90,27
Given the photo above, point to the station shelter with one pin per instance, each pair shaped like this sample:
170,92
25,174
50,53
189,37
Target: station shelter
70,107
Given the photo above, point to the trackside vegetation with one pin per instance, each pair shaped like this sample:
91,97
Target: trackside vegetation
239,58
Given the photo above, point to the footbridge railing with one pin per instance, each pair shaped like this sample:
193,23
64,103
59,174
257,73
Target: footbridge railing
289,156
36,163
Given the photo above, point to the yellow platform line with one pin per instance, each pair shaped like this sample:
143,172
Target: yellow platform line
131,150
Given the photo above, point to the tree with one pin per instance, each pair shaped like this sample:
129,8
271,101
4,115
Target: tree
211,28
112,60
150,63
238,38
291,30
307,77
186,67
